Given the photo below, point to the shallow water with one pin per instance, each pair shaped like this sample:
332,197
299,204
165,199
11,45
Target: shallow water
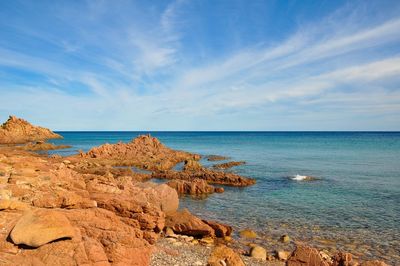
354,205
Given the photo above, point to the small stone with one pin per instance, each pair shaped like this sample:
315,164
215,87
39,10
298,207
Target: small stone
66,162
171,240
195,242
258,252
247,233
285,239
177,244
207,240
283,255
198,263
170,233
228,238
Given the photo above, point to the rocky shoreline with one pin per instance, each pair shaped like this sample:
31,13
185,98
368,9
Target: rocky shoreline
82,210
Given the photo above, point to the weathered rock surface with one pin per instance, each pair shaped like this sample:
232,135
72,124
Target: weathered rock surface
183,222
194,187
40,227
145,152
16,130
221,230
258,252
222,255
228,165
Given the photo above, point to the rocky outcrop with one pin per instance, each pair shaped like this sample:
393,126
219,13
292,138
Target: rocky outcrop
214,177
228,165
40,227
43,146
222,255
145,152
195,187
16,131
304,255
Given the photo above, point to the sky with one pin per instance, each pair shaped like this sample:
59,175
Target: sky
201,65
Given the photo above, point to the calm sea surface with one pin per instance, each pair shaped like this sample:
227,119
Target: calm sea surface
354,206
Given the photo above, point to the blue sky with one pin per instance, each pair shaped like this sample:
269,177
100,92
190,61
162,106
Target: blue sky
201,65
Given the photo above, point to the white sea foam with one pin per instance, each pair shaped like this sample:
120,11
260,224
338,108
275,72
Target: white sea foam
300,177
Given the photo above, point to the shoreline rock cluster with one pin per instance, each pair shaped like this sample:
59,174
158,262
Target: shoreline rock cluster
81,210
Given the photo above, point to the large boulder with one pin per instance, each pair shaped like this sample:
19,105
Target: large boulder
222,255
16,130
183,222
40,227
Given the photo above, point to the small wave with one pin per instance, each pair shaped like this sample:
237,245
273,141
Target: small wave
303,178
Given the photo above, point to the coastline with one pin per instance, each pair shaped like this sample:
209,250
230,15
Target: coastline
87,184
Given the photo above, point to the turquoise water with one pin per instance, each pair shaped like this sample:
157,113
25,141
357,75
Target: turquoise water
354,206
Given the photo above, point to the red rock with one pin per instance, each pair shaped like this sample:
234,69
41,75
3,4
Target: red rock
221,230
16,130
307,256
343,259
227,165
145,152
183,222
222,255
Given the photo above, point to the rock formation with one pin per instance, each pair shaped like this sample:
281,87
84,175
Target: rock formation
145,152
16,131
213,158
227,165
195,187
43,146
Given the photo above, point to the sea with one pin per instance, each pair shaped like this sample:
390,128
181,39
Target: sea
353,205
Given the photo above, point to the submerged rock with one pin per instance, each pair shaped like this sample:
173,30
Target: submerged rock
247,233
16,130
228,165
213,158
43,146
40,227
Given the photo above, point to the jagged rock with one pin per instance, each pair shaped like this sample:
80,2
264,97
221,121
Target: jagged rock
183,222
222,255
195,187
285,239
40,227
145,152
228,165
16,130
191,165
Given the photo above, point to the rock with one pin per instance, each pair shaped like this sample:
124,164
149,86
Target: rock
207,240
247,233
191,165
5,194
342,258
183,222
213,158
7,204
285,239
222,255
16,130
145,152
195,187
228,165
169,232
211,176
282,255
40,227
258,252
304,255
160,195
41,146
221,230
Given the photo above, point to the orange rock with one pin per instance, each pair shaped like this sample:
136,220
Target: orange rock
183,222
307,256
16,130
221,230
222,255
195,187
40,227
